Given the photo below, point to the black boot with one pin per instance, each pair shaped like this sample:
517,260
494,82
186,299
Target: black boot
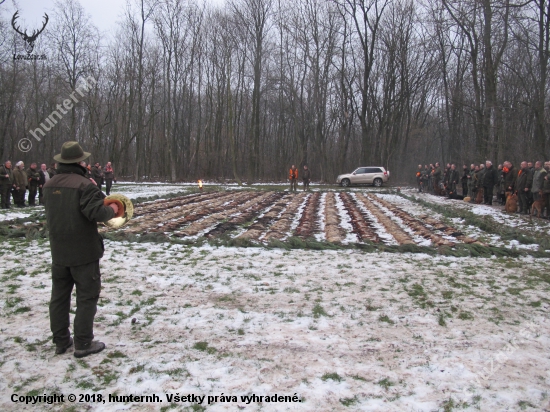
90,349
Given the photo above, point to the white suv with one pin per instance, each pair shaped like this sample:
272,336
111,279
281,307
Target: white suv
375,175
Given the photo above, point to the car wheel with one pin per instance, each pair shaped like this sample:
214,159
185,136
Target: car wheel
345,183
377,182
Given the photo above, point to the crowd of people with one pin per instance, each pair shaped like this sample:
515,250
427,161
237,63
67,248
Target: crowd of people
484,183
16,181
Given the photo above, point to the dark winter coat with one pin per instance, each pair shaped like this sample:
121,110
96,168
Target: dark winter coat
538,179
6,181
43,177
477,179
74,205
546,184
109,173
34,177
453,177
524,180
490,177
306,175
97,175
510,179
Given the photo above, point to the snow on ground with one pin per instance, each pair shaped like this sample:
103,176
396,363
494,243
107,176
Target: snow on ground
15,213
418,239
380,230
343,330
345,221
538,225
495,211
321,219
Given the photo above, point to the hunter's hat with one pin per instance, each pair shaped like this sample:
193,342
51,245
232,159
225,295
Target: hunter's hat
71,152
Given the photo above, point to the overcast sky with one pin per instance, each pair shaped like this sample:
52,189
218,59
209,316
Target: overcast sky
104,13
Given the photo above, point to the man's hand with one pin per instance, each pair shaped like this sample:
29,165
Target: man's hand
114,206
93,181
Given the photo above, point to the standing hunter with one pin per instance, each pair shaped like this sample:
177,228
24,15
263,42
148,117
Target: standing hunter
538,180
546,190
509,177
293,177
74,205
452,179
97,174
419,178
476,183
436,178
464,180
33,176
470,177
6,184
20,183
109,177
523,187
490,179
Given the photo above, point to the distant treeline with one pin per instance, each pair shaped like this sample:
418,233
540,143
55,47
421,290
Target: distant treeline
187,90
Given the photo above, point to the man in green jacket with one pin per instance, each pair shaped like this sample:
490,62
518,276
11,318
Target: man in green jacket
510,176
524,182
452,179
538,179
74,205
33,177
490,179
436,178
546,189
6,184
20,181
470,178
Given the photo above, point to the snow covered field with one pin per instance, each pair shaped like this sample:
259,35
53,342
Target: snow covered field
337,329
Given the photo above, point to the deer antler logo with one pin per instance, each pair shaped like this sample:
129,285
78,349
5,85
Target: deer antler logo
29,40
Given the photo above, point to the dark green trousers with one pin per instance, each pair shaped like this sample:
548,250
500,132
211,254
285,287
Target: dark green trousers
5,194
87,279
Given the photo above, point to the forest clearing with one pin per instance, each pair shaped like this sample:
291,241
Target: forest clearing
362,299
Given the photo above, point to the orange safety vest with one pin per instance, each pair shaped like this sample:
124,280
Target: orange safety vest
293,174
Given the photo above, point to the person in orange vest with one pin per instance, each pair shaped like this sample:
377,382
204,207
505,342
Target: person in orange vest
293,177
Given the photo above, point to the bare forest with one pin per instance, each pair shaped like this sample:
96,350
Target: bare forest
184,90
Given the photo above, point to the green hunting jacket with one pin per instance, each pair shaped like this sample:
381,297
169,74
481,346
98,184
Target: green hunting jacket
490,177
538,178
510,179
546,184
6,181
74,205
33,176
524,180
471,178
20,178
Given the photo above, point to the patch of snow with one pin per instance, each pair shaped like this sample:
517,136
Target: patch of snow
380,230
345,221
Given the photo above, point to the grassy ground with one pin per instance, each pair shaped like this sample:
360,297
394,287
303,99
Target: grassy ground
344,330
